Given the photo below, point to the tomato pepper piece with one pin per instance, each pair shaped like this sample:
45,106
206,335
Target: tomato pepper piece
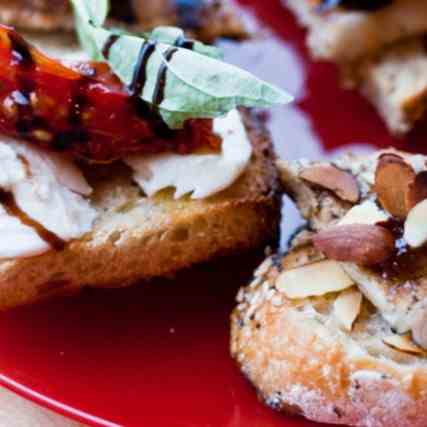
82,108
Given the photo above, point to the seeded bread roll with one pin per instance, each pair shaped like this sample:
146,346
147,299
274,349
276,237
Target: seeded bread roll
382,53
335,330
344,36
302,361
395,81
136,237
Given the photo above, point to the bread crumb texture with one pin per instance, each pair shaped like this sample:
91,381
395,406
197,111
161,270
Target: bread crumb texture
137,238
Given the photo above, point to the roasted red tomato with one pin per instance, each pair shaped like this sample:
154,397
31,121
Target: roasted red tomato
82,109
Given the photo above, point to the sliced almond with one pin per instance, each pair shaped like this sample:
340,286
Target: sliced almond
299,257
342,183
419,327
315,279
415,229
366,213
402,343
417,190
359,243
393,178
347,308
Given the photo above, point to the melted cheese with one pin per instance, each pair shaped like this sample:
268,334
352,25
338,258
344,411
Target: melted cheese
202,175
45,186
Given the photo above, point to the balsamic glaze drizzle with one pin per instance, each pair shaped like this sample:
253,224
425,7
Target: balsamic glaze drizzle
109,44
185,43
26,122
8,201
23,60
140,73
21,52
159,90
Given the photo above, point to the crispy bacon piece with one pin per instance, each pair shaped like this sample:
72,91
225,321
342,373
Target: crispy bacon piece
82,109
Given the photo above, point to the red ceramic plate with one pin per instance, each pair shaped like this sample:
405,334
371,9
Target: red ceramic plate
157,355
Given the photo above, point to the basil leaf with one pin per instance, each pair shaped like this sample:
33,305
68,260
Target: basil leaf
171,35
92,11
95,12
196,84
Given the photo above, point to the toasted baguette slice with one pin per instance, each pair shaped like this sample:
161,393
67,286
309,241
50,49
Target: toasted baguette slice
395,81
219,19
138,238
345,36
302,361
383,53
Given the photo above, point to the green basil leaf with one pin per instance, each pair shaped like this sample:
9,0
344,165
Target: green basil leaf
87,13
197,84
170,36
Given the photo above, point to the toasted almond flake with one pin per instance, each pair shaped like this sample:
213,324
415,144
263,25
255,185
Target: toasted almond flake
347,307
366,213
417,190
393,179
262,270
402,343
419,327
359,243
301,256
313,280
415,229
341,182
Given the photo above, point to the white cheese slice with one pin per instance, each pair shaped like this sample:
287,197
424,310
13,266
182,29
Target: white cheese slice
200,174
45,188
18,240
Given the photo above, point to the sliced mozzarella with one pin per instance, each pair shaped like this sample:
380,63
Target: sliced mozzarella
18,240
200,174
33,177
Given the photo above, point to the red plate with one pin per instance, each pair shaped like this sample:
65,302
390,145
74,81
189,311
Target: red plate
158,355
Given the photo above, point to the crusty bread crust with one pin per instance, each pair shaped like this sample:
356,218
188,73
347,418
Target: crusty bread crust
346,36
139,238
395,81
301,362
382,53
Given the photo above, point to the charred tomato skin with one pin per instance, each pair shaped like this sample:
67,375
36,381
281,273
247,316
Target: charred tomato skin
83,109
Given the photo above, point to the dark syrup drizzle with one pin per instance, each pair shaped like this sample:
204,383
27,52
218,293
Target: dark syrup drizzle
405,263
159,90
184,43
140,73
9,203
26,122
23,60
109,44
139,79
136,86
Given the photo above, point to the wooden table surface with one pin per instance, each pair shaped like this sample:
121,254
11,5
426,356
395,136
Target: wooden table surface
18,412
